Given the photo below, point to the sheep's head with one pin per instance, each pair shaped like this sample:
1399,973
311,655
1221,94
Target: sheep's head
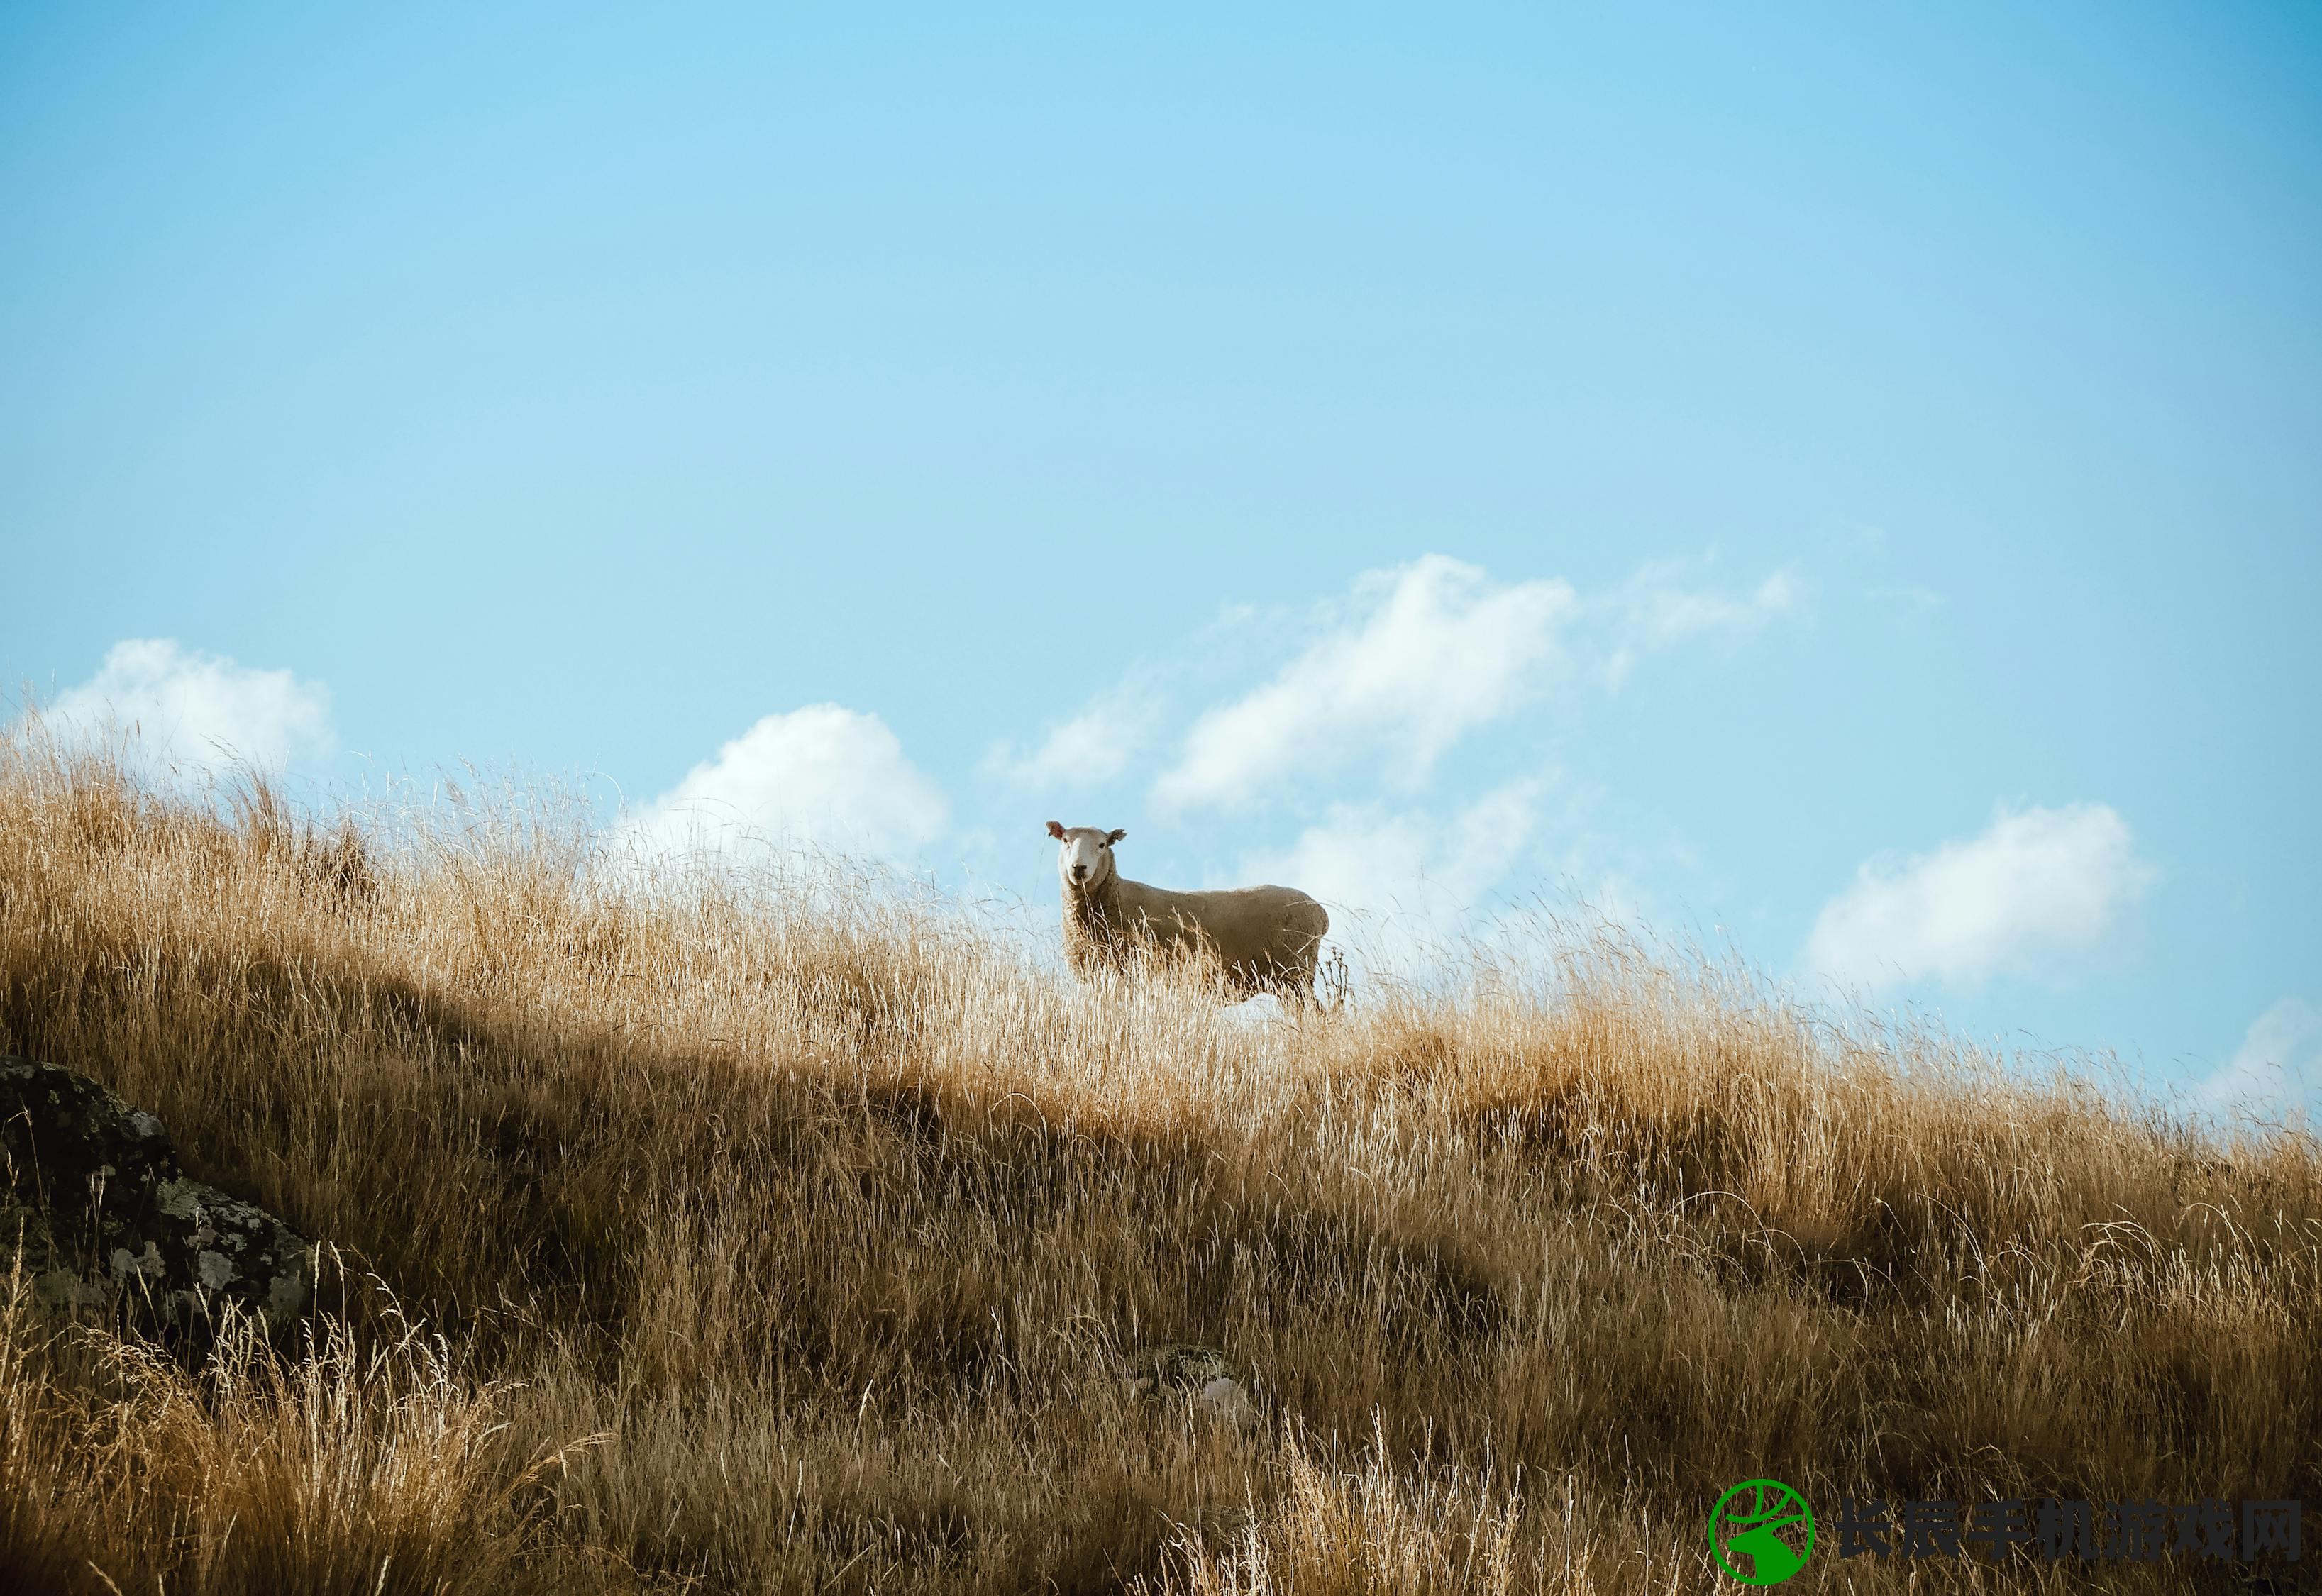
1085,860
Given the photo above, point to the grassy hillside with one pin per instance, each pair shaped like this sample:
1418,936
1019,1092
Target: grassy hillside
781,1236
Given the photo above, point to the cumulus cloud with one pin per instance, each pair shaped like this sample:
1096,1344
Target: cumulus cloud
1417,657
2035,889
182,712
1414,659
2275,1076
1093,745
1395,882
823,777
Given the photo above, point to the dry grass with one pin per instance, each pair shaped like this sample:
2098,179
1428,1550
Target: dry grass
775,1234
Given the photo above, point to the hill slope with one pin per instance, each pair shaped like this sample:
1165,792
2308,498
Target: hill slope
783,1236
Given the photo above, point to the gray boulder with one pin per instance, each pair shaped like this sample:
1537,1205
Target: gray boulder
102,1217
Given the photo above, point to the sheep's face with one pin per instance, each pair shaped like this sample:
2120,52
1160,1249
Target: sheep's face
1085,859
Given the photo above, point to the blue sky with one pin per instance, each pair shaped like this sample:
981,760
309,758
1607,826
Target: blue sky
1844,481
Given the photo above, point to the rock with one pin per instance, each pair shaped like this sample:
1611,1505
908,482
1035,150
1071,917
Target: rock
1193,1371
102,1216
1219,1524
1174,1366
1230,1402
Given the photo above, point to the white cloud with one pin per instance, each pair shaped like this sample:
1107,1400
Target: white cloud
2037,887
2275,1077
824,776
185,712
1418,656
1652,611
1918,597
1397,883
1093,745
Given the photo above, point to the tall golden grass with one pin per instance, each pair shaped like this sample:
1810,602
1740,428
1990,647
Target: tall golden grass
713,1232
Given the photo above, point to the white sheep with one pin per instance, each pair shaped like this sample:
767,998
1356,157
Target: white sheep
1264,939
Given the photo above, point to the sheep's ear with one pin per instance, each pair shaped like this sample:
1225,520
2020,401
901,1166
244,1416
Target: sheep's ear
1116,836
1056,830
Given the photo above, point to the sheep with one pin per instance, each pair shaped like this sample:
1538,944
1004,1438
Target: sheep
1264,939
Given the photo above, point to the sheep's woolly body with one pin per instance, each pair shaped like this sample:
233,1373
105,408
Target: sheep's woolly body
1265,938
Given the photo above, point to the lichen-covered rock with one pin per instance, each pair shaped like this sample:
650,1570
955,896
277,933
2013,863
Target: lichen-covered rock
102,1215
1200,1371
1217,1524
1175,1365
